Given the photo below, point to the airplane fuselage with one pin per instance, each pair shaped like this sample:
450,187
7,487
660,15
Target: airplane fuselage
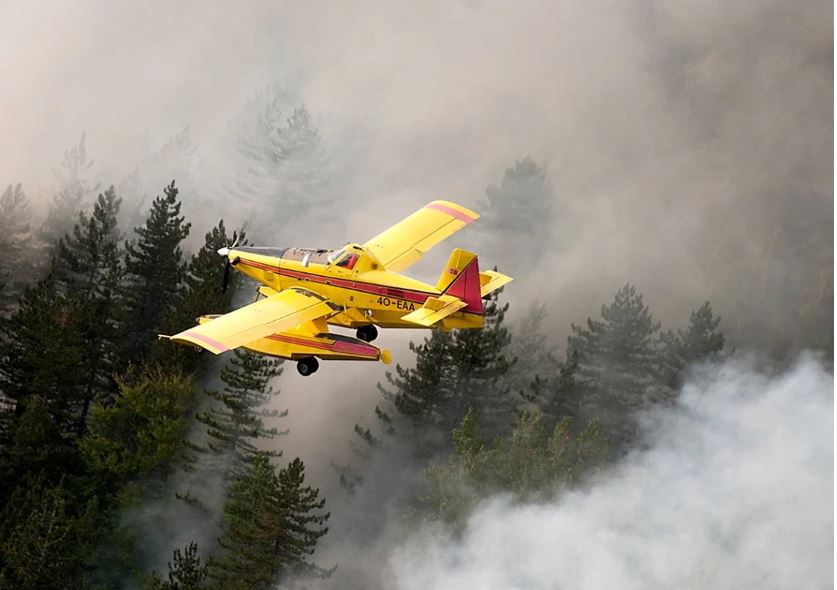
352,279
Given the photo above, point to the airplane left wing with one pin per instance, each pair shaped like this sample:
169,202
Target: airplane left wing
404,243
280,312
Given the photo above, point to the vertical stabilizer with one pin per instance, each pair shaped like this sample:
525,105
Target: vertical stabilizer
461,279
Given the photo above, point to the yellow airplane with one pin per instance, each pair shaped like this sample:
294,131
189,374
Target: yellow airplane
357,286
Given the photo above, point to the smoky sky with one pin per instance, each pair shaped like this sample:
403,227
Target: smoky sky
689,145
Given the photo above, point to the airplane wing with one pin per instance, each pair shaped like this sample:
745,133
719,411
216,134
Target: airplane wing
404,243
280,312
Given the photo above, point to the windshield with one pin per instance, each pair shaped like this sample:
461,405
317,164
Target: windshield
336,255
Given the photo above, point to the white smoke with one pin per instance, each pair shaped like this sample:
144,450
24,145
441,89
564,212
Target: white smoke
734,491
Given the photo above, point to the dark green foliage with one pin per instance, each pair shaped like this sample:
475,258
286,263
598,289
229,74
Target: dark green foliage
155,272
202,294
185,572
237,422
142,433
454,370
42,355
204,278
701,341
531,463
557,395
15,241
617,363
89,271
273,522
47,538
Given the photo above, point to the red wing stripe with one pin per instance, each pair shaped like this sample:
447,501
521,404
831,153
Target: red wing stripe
206,339
337,346
450,211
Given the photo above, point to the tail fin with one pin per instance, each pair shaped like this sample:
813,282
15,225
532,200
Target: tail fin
461,279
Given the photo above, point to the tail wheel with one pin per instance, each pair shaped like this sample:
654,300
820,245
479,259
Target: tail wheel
307,366
367,333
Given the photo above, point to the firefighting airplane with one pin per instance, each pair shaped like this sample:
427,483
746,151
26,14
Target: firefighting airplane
358,286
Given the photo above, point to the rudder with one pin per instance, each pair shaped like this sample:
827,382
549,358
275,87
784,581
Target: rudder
461,279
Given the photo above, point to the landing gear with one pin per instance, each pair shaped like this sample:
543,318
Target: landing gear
307,366
367,333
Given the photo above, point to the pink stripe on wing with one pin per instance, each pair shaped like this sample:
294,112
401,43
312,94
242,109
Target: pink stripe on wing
206,340
450,211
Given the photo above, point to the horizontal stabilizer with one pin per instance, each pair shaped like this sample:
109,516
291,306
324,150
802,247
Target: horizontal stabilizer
435,309
491,280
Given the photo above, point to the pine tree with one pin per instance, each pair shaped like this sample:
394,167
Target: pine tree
273,522
42,354
454,370
556,395
185,572
529,463
518,210
15,241
203,281
702,341
617,362
143,432
300,161
155,273
71,194
46,538
237,423
89,271
132,191
202,294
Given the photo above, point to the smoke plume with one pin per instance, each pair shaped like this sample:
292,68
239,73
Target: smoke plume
734,490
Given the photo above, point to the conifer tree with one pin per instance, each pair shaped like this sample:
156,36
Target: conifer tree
518,210
298,153
71,194
89,271
132,192
701,341
531,463
237,423
203,281
46,538
155,272
15,240
202,294
42,354
556,395
185,572
454,370
273,522
617,362
143,432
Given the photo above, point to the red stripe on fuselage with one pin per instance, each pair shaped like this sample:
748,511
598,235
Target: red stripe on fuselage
384,291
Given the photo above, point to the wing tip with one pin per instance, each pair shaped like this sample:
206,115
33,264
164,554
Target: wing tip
454,210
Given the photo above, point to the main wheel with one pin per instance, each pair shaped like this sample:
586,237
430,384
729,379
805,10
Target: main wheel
367,333
307,366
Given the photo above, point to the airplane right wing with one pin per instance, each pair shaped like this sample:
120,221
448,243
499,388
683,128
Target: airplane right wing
280,312
405,243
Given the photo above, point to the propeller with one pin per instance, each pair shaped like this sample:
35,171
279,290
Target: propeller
225,251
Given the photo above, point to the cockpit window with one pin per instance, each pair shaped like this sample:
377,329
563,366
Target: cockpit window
349,261
336,255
